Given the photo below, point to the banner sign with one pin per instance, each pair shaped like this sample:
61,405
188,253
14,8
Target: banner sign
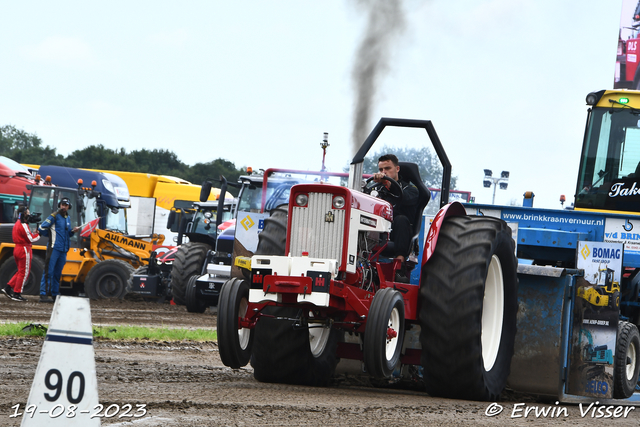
595,319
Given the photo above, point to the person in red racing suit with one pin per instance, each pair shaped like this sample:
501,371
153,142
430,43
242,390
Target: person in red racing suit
23,238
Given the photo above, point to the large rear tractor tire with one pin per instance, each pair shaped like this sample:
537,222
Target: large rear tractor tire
188,261
626,366
234,343
273,239
32,287
108,279
468,300
193,303
384,333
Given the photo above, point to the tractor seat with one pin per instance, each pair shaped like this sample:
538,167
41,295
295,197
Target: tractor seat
410,172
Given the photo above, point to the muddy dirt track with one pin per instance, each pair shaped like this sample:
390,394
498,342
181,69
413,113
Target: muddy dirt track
185,383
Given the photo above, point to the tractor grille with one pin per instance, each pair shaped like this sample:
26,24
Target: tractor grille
318,228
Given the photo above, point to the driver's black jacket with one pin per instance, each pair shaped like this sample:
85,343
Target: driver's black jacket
407,206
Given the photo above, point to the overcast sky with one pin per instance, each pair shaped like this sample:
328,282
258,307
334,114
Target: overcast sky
258,82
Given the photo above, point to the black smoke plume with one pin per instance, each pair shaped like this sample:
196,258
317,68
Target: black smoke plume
385,22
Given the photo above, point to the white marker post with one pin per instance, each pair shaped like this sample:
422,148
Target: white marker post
65,388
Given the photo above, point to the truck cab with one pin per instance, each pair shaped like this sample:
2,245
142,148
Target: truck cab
609,176
14,179
110,206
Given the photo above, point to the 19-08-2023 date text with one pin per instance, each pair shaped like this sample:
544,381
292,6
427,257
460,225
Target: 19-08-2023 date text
98,411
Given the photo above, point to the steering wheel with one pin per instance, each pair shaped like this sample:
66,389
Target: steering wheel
592,188
393,194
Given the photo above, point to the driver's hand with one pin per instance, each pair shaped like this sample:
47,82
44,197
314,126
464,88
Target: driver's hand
379,177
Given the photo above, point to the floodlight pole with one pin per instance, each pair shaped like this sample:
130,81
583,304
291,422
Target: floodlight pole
324,144
503,179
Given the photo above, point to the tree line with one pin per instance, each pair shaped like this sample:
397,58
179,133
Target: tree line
28,148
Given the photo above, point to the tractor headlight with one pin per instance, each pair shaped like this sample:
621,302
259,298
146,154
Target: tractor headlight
207,214
338,202
302,200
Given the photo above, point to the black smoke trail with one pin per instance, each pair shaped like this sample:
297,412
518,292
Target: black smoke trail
385,22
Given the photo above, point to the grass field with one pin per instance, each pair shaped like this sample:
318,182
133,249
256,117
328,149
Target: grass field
24,329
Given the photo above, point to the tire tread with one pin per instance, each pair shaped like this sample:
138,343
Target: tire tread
451,299
187,262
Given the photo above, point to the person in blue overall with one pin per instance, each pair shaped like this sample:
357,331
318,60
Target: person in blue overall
58,227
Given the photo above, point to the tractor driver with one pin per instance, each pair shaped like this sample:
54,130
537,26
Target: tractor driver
403,211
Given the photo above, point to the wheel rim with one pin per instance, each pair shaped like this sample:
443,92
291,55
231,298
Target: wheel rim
318,338
110,286
392,334
243,333
492,313
632,353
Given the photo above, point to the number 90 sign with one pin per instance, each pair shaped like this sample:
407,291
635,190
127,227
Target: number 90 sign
54,382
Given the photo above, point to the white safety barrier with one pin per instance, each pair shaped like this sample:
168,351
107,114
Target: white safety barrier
65,388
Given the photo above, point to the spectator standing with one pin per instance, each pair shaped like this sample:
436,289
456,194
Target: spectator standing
22,238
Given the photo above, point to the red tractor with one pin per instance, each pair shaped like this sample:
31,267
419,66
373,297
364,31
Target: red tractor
322,288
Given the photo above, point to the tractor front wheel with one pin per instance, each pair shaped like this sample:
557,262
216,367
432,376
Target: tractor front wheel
286,352
108,279
468,300
192,302
384,333
626,366
234,342
188,261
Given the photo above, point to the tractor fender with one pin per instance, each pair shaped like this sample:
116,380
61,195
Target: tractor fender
451,209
